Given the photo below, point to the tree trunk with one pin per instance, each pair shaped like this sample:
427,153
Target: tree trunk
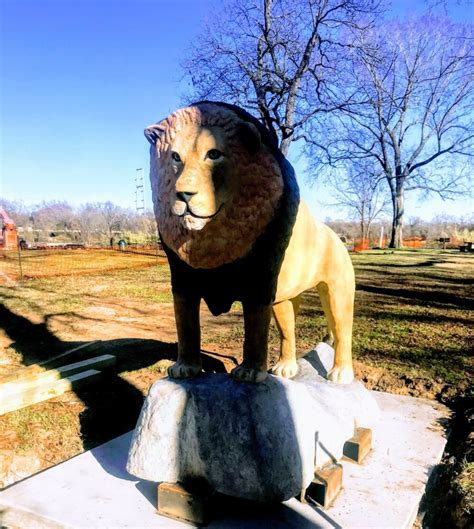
285,145
396,239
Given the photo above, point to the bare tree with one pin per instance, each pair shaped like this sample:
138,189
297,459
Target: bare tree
147,224
414,119
444,6
416,227
280,59
112,216
16,210
87,222
348,230
53,216
362,193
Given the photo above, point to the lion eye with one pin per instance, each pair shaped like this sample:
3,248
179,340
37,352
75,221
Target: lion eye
214,154
176,157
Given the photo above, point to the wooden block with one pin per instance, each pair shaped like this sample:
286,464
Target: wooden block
358,447
45,377
33,395
79,351
176,501
26,372
326,485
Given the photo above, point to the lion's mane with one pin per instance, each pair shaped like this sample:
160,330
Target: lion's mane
245,215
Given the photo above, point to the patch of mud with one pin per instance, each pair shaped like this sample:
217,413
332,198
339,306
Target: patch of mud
379,379
118,319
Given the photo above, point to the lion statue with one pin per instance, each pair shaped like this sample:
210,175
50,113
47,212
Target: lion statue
234,229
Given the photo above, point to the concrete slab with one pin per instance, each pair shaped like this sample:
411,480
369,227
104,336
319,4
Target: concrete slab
94,491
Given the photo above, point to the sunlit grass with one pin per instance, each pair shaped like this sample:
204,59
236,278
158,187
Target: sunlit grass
411,315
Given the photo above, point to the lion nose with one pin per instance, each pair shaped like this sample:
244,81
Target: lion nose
185,196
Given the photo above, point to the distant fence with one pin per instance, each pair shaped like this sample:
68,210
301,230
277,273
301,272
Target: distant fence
19,264
414,242
409,242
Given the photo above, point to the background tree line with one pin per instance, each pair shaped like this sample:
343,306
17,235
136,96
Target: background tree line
97,223
419,233
380,107
90,224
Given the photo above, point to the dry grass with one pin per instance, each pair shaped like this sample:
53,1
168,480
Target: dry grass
412,325
465,485
52,263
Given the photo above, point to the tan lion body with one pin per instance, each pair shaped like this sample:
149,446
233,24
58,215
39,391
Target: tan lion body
217,187
315,257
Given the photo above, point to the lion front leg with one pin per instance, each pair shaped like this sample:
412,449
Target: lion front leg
186,310
256,323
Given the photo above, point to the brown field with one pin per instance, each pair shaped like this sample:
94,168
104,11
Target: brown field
55,262
412,335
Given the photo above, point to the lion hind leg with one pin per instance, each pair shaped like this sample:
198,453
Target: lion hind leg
329,337
338,306
285,314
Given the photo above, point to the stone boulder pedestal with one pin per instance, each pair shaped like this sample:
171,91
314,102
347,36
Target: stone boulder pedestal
260,442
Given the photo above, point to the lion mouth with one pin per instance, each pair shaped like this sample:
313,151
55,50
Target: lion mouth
188,211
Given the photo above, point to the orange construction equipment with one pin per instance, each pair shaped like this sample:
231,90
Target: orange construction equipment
9,240
361,245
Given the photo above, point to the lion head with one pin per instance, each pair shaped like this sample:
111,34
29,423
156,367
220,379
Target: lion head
216,185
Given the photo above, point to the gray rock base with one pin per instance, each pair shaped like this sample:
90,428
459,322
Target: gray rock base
260,442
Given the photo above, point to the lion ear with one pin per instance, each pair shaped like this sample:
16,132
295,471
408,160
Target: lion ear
154,132
250,137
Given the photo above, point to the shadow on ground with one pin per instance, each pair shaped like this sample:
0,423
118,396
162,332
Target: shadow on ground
433,298
112,406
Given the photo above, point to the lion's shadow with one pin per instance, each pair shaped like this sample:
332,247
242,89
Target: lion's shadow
112,406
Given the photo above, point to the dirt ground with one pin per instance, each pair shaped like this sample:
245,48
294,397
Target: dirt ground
140,334
412,335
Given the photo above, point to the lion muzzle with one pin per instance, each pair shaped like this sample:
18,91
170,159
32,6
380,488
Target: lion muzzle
185,196
190,218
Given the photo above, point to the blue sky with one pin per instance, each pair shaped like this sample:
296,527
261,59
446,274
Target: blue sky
80,79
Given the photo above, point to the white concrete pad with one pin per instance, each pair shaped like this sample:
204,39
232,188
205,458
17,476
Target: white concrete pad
94,491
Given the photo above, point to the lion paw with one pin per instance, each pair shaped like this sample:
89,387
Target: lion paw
248,374
341,375
183,370
285,368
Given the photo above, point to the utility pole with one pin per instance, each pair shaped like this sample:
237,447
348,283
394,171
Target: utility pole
139,191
